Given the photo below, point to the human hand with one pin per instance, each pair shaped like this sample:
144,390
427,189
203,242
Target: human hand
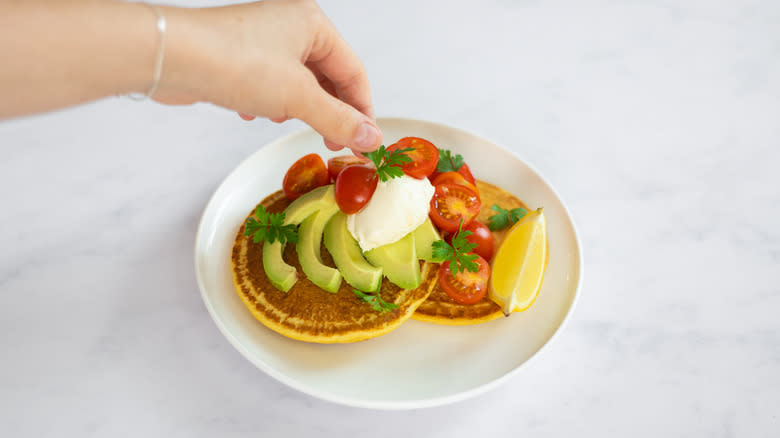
278,59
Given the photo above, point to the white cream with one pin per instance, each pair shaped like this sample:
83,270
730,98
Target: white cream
397,207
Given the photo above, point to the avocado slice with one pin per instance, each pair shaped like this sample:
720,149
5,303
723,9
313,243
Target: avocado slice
309,248
307,204
347,255
398,261
424,236
282,275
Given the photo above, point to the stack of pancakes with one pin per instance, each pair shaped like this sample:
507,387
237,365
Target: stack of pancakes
308,313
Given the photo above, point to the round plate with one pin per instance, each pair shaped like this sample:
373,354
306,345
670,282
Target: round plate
420,364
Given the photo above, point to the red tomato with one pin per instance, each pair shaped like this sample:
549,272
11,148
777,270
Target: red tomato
424,156
466,287
454,178
453,203
466,172
481,235
337,164
308,173
354,187
463,170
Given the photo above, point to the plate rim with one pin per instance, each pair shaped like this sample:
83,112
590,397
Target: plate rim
378,404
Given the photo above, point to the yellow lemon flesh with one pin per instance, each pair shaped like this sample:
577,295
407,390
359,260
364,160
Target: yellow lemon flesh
518,266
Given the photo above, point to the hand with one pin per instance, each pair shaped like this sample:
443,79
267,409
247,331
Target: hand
278,59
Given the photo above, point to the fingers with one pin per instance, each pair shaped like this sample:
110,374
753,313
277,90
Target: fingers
335,60
338,122
333,146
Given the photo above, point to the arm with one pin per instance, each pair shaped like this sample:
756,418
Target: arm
276,59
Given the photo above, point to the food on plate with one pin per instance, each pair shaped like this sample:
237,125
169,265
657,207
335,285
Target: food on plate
439,307
518,270
350,250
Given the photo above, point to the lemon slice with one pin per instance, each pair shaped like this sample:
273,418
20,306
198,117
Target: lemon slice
518,266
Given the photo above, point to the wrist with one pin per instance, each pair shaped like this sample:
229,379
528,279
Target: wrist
186,70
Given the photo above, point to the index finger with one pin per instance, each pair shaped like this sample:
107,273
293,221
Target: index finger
333,57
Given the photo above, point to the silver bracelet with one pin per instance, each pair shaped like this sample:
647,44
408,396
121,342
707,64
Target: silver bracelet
158,62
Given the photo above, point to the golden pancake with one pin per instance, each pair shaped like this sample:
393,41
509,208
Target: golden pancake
311,314
439,308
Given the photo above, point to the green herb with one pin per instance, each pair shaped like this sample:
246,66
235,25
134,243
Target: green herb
504,218
388,163
270,227
376,301
448,163
459,255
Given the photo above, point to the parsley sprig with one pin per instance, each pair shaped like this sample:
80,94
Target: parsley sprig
458,254
270,227
388,163
449,163
376,301
504,218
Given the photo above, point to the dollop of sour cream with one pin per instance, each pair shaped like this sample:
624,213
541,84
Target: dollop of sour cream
398,206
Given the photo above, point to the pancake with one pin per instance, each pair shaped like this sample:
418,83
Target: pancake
308,313
439,308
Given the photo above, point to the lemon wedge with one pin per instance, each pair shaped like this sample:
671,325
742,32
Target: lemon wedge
518,266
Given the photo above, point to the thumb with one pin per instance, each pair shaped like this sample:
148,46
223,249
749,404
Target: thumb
338,122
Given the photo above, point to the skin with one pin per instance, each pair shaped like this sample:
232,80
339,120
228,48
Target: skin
278,59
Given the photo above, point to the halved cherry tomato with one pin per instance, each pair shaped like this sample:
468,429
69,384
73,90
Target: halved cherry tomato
424,156
354,187
454,178
337,164
466,287
481,236
308,173
453,203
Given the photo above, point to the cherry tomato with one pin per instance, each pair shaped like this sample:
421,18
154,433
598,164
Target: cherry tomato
454,178
481,235
424,156
308,173
337,164
354,187
453,203
466,287
466,172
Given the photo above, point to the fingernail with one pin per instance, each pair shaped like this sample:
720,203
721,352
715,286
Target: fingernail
366,137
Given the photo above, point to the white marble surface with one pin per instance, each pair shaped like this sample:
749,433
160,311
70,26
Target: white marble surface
657,121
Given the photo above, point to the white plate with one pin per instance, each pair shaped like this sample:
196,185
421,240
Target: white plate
420,364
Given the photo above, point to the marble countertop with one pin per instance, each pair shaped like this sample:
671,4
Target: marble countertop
658,123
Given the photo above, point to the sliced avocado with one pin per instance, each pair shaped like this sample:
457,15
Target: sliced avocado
424,236
348,257
307,204
309,241
398,261
282,275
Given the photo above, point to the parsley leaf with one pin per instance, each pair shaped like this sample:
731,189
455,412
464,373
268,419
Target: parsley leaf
448,163
270,227
376,301
458,253
388,163
504,218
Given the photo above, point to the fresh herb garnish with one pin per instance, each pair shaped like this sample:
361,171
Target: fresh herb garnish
376,301
459,255
504,218
448,163
388,163
270,226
